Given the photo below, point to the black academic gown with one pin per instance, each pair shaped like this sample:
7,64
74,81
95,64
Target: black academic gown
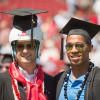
6,91
92,88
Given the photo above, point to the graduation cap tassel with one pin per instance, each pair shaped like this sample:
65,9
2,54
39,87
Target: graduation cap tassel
61,52
32,30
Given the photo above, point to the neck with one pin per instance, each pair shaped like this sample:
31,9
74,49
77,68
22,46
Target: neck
79,70
29,67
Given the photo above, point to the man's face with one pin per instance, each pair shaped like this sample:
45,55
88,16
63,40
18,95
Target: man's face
25,52
5,66
77,50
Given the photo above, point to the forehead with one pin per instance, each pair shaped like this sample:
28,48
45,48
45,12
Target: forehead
25,42
75,38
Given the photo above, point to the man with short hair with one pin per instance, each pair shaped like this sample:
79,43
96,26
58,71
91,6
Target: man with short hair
6,61
80,80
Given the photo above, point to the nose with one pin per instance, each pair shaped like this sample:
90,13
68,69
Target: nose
25,49
74,49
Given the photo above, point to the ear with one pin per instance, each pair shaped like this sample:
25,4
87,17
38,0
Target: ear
90,48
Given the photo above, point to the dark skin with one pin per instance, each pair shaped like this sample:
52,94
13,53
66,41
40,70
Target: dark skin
79,59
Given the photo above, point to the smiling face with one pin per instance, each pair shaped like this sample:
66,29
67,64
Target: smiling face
78,56
25,53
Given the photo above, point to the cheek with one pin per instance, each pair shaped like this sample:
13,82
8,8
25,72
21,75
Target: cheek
85,54
68,53
33,52
17,55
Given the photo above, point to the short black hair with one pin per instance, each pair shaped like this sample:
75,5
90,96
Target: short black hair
87,41
7,58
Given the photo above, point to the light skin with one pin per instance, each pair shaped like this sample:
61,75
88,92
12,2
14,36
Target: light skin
5,66
79,59
26,58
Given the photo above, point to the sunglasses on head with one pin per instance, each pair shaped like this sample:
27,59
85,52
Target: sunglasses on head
29,46
79,46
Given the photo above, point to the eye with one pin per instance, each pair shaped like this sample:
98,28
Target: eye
69,46
19,47
79,46
31,47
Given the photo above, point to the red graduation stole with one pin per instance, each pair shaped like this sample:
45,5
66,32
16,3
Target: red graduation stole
34,90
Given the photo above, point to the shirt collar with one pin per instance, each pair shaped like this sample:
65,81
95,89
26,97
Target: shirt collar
29,78
78,79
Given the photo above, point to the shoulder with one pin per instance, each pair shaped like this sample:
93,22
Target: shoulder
49,81
63,73
48,77
5,74
4,78
58,76
96,72
49,85
93,84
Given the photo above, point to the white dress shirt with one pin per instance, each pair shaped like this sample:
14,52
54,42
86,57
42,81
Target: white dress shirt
29,78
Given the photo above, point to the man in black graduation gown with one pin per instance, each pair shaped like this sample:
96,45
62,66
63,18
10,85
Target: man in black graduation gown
25,79
81,79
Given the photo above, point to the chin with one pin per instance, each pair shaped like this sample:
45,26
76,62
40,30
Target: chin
26,60
76,63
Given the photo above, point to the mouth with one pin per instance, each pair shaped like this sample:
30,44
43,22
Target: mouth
75,57
26,56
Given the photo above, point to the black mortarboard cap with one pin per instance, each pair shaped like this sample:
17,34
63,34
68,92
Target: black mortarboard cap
79,27
25,18
90,28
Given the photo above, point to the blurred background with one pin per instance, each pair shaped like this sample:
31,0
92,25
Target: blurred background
59,13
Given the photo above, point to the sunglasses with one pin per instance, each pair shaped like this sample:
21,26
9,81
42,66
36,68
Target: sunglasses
79,46
29,46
